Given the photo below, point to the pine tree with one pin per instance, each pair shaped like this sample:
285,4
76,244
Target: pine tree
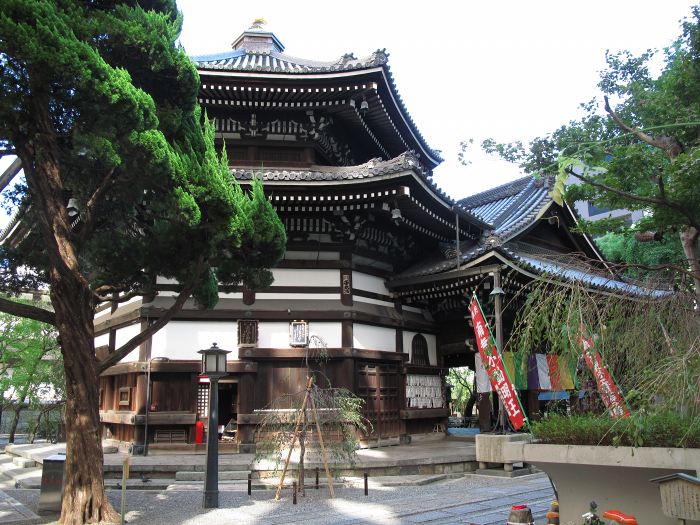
122,185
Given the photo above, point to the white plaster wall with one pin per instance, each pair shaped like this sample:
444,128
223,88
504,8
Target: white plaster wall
331,333
102,340
369,300
369,283
368,337
302,296
276,334
305,277
432,346
182,339
102,314
273,335
123,335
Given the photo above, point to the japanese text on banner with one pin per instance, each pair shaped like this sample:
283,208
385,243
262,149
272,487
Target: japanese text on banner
494,366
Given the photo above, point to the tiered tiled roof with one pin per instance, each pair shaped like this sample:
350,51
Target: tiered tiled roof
571,267
373,168
512,207
271,61
259,51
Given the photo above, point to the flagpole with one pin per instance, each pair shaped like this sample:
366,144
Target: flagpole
499,352
497,293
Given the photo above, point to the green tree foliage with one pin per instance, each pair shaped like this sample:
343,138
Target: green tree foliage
461,381
122,184
31,368
624,249
642,153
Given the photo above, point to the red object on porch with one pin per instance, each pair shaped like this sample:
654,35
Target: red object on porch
199,432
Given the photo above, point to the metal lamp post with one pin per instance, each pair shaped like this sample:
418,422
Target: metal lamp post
213,367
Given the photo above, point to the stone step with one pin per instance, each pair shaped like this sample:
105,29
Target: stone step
225,475
23,462
138,484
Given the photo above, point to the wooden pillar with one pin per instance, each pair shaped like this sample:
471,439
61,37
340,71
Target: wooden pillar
141,393
484,404
246,405
346,337
533,405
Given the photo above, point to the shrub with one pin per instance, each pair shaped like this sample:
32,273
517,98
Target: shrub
660,429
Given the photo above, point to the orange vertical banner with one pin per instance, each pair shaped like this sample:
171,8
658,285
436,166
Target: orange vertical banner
606,385
494,366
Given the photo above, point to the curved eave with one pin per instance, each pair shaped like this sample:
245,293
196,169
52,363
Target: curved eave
389,102
528,266
424,207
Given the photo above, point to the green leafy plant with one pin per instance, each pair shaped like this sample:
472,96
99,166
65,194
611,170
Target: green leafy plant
660,429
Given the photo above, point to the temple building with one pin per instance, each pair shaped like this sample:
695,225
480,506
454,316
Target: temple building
380,263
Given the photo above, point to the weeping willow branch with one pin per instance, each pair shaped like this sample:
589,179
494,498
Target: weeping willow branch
650,341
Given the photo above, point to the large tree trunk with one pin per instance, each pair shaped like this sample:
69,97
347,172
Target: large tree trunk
689,240
84,498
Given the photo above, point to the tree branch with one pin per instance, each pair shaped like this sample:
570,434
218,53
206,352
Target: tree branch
659,268
120,298
638,198
670,145
88,217
28,311
121,352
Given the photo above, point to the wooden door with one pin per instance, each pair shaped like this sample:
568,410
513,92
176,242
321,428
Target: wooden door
379,386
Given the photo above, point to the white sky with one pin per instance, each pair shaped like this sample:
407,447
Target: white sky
511,70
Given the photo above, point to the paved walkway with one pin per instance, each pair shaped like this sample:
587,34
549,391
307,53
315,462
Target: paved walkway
12,512
471,499
416,458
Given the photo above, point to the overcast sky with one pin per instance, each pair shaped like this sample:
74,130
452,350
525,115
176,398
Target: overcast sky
511,70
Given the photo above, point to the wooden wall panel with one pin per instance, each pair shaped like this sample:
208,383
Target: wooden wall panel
173,392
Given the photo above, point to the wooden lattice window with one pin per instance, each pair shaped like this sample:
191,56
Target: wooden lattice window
419,351
247,332
125,396
203,400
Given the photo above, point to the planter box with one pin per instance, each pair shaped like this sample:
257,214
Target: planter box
615,477
491,448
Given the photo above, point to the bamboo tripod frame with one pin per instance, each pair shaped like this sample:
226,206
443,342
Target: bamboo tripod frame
297,429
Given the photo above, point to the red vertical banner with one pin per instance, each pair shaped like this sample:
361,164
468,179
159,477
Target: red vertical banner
494,366
607,388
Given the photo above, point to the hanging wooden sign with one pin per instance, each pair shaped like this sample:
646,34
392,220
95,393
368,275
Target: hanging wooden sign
298,333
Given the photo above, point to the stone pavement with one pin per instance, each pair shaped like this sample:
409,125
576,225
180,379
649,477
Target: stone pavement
468,499
433,456
12,512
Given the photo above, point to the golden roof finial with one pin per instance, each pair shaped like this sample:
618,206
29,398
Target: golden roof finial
258,23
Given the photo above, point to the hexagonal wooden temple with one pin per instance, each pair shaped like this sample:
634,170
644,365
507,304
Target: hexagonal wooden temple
380,262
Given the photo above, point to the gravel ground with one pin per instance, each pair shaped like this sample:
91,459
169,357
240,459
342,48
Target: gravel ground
470,499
